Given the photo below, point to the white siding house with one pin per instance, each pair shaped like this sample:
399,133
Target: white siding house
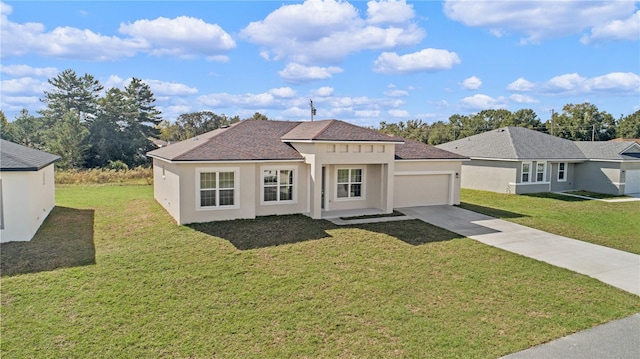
27,190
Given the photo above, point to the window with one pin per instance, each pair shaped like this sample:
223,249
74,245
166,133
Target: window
540,171
349,183
562,172
278,185
526,167
216,189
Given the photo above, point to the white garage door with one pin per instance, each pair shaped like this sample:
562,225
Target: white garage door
421,190
632,182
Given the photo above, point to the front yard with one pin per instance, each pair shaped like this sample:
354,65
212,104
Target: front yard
615,225
136,285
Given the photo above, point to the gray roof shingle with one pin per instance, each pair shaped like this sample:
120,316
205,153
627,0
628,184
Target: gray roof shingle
15,157
615,151
515,143
252,140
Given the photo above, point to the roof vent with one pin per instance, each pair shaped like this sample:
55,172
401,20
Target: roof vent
224,126
195,138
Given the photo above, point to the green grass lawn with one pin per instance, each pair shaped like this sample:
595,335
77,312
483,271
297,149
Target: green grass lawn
110,275
615,225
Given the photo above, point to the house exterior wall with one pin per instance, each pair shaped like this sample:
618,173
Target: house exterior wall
599,176
427,182
559,186
27,199
376,158
488,175
166,186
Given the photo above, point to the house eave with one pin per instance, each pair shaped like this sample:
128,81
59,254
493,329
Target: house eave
432,159
226,161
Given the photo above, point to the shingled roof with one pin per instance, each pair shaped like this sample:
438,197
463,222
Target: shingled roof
334,130
613,151
254,140
414,150
15,157
515,143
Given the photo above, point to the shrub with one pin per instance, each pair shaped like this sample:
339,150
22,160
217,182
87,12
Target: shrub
137,175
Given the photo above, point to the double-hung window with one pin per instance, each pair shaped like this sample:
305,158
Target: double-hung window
278,185
349,183
540,171
562,172
216,188
526,170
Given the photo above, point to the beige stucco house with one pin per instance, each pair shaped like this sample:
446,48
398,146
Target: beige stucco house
258,168
519,160
27,190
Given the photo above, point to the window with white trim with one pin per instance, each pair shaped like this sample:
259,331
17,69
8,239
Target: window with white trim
278,185
216,189
526,169
562,172
349,183
540,171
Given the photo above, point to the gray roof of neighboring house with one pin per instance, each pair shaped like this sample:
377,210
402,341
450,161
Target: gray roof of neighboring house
267,140
15,157
515,143
414,150
614,151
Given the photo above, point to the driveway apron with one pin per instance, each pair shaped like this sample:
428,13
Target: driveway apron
614,267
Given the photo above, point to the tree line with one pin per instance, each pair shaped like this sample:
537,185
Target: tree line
576,122
89,127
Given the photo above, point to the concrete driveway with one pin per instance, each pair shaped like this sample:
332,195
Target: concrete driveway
614,267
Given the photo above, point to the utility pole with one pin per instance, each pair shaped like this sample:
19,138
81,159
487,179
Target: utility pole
313,109
593,132
553,115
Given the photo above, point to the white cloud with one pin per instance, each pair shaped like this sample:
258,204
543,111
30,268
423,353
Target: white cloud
521,84
567,83
249,100
367,113
398,113
283,92
114,81
427,60
396,93
628,29
538,20
481,102
320,32
472,83
295,73
24,85
616,81
519,98
389,12
163,88
183,36
324,91
26,70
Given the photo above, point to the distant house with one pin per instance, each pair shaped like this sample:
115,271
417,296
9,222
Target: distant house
519,160
27,190
257,168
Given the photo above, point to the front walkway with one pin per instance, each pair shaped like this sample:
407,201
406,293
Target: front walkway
631,197
614,267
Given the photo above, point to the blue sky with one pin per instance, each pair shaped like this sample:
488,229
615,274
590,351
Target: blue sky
363,62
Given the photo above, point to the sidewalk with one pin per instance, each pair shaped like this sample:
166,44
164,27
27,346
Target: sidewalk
619,339
614,267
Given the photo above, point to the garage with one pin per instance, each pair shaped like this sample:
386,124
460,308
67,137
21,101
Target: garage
413,189
632,182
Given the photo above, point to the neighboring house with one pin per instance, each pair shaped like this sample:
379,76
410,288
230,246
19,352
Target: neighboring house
27,190
519,160
258,168
613,167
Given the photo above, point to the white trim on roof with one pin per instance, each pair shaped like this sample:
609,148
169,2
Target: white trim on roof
432,159
223,161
